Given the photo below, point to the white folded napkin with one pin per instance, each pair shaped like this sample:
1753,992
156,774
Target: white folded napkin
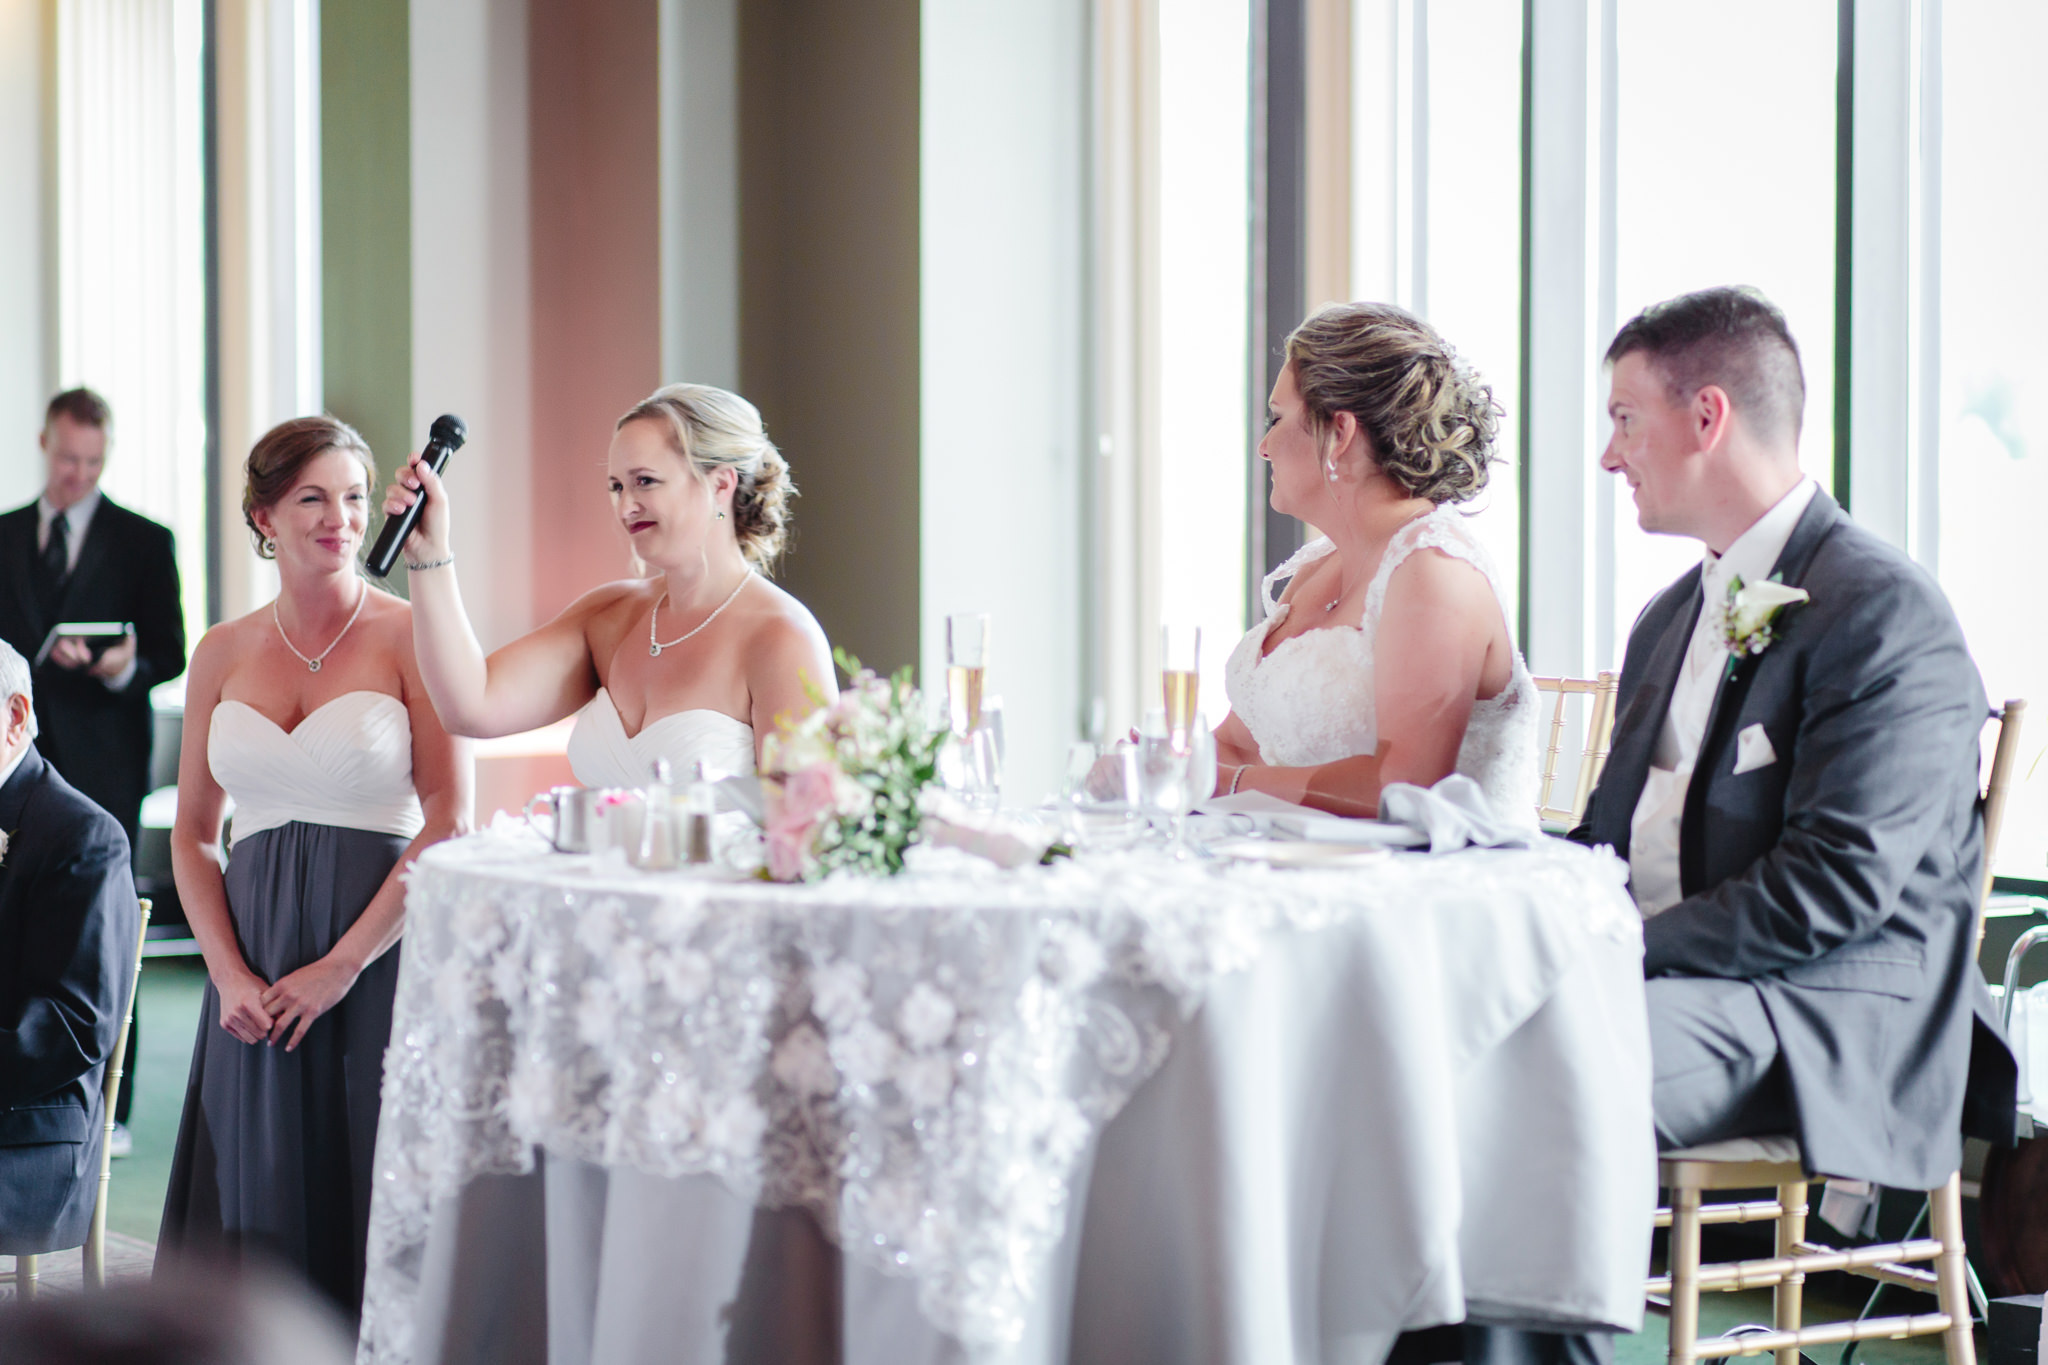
1453,814
1258,813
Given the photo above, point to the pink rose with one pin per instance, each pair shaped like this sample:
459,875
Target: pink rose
803,798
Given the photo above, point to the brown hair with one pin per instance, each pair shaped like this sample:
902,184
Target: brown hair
711,428
1430,418
1731,337
82,406
276,461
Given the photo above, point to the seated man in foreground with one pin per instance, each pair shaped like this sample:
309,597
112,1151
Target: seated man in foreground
68,921
1794,782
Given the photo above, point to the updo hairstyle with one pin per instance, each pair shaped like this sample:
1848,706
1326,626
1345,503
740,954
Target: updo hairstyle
1430,418
276,461
712,428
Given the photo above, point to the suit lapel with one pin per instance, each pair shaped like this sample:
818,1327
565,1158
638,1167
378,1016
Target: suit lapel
19,547
92,558
1635,735
20,782
1815,522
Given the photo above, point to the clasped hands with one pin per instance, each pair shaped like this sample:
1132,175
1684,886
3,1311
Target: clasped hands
256,1012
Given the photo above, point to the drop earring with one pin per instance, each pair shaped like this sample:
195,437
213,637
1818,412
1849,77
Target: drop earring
720,516
1333,471
269,545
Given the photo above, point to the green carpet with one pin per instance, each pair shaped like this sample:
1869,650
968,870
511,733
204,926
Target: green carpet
169,1009
1828,1299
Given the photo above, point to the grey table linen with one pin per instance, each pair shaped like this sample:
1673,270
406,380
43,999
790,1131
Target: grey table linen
1122,1109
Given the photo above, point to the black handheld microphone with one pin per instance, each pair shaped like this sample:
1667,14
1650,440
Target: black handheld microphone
444,439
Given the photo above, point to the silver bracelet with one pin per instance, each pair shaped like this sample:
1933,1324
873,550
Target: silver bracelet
1237,777
430,564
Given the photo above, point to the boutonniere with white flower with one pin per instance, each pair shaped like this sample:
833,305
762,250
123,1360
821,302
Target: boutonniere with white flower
4,837
1750,619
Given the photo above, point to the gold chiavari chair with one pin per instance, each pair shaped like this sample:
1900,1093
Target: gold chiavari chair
1599,692
93,1260
1752,1163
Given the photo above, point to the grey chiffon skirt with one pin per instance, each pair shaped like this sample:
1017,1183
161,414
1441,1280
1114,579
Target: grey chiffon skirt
274,1151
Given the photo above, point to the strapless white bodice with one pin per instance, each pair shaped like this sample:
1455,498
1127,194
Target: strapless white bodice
1312,700
348,763
602,754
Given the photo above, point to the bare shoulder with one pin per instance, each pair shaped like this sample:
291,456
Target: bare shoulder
781,629
1438,580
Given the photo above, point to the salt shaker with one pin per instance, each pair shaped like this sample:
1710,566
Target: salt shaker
698,807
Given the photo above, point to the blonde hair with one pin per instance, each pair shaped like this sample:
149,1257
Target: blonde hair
1430,418
714,429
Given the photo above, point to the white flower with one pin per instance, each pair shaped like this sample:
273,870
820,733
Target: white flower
1070,956
927,1081
597,1014
687,975
1749,617
803,1063
598,928
508,978
673,1109
735,1127
529,1099
4,837
839,994
865,1053
926,1016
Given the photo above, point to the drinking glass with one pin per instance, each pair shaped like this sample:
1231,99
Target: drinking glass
1180,679
966,669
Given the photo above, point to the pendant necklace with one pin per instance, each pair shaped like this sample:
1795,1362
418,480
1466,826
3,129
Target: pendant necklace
655,645
313,664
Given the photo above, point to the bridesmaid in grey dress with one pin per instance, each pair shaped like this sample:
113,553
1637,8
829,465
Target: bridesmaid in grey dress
309,712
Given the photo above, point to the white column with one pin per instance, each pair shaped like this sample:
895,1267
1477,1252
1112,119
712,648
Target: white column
700,192
1894,293
471,291
1570,321
1001,277
27,331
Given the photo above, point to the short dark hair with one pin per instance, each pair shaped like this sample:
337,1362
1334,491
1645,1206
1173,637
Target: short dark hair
1732,337
82,406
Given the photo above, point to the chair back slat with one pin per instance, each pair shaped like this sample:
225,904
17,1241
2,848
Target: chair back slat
93,1260
2005,754
1592,752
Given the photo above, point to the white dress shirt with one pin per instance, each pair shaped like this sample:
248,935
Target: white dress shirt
77,521
1654,831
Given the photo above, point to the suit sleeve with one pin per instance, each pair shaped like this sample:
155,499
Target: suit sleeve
159,613
77,959
1886,750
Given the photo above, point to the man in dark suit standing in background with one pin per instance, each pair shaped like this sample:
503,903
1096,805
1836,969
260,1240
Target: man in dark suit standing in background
75,555
68,919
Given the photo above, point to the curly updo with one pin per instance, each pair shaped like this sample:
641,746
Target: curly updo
712,428
1429,416
282,454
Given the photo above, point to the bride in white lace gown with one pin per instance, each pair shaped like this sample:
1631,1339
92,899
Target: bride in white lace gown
695,662
1387,658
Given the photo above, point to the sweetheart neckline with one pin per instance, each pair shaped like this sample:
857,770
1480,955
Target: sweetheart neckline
356,692
1505,695
647,725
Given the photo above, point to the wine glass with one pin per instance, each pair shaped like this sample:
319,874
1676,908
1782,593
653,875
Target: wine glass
1162,771
970,763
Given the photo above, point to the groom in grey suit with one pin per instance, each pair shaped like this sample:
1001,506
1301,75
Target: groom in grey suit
1796,793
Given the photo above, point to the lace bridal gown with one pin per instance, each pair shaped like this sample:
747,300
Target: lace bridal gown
1312,700
602,754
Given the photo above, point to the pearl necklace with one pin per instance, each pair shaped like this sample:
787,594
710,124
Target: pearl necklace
313,664
655,645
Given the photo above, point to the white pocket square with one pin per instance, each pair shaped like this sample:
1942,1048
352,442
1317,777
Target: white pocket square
1753,750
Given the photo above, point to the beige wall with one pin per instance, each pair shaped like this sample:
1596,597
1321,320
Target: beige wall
829,299
594,134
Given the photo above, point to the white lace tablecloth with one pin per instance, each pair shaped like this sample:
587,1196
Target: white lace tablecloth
926,1064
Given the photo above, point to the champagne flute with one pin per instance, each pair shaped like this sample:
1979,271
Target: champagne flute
1180,679
966,669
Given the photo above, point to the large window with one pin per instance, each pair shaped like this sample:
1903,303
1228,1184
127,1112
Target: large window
1204,292
1993,456
1724,174
131,287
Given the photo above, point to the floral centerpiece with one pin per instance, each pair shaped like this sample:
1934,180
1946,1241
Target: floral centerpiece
846,782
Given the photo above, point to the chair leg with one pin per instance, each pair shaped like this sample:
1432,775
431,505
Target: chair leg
1685,1275
1788,1296
26,1272
1946,1207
